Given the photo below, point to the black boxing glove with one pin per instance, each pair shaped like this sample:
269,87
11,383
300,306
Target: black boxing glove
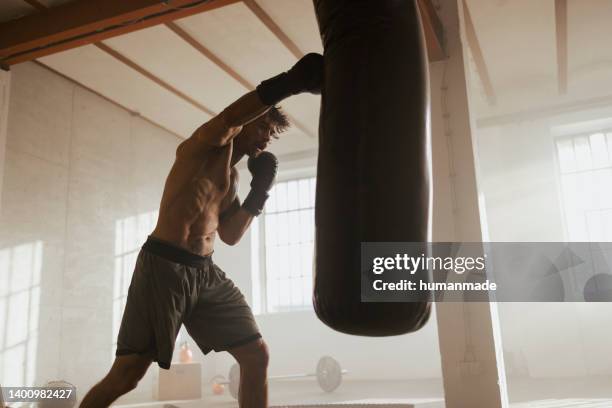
263,168
305,76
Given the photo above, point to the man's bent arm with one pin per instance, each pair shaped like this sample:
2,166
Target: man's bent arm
236,218
233,226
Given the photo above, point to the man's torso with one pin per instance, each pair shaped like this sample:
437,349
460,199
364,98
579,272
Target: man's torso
197,190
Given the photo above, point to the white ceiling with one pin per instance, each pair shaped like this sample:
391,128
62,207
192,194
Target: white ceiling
519,46
101,72
590,25
517,38
232,33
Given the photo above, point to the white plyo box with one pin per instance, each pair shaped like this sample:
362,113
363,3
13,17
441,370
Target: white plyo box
180,382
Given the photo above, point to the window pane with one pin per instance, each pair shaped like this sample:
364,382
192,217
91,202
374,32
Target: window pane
583,153
305,259
284,292
587,200
304,221
284,266
599,150
294,227
311,225
283,228
273,296
281,197
607,223
296,292
567,159
312,191
292,195
271,203
271,230
294,261
272,263
307,290
304,193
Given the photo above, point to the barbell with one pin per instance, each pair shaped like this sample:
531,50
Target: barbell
328,374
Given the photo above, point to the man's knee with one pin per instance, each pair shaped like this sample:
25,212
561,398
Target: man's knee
127,373
124,385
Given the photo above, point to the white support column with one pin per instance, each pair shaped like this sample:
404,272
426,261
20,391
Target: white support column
469,337
5,86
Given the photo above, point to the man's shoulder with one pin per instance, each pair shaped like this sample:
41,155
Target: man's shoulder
192,149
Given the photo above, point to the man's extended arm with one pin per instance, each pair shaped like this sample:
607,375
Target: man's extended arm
305,76
221,129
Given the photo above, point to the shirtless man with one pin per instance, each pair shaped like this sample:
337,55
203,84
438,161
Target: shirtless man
175,280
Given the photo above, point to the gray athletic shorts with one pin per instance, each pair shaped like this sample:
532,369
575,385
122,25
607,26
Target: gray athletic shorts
172,286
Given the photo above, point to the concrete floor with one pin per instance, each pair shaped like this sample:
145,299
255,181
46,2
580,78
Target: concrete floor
525,393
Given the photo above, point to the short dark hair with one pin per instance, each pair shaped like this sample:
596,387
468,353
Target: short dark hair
278,119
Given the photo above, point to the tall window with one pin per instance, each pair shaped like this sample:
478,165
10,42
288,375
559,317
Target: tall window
287,234
585,163
20,275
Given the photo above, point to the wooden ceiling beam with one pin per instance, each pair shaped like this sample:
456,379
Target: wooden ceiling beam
84,22
274,28
36,4
142,71
432,26
188,38
198,46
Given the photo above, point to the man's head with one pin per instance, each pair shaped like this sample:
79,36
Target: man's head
257,135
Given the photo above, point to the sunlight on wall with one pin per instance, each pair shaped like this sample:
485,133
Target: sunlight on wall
20,270
130,234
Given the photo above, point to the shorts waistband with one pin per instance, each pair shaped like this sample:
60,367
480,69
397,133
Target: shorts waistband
175,253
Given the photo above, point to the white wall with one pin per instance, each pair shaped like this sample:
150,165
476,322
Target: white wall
5,78
75,165
521,190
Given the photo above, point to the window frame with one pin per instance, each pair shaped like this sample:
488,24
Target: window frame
260,295
560,173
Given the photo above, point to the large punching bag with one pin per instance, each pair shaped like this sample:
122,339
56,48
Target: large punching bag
374,162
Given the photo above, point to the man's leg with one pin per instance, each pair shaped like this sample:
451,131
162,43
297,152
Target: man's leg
123,377
253,359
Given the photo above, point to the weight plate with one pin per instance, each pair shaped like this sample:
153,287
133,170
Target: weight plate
329,374
234,380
